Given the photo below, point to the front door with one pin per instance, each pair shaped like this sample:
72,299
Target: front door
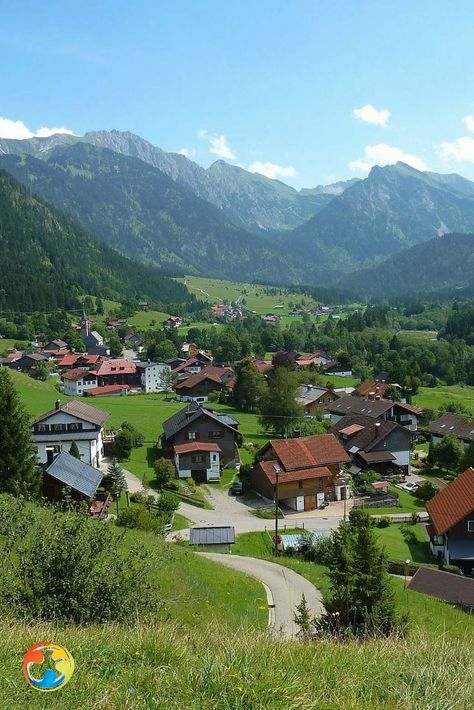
310,502
319,499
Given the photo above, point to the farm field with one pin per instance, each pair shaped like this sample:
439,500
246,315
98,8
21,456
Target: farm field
417,336
435,397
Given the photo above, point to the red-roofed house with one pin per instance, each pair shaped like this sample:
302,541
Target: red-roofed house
451,528
199,459
73,360
308,470
199,386
108,390
173,322
117,372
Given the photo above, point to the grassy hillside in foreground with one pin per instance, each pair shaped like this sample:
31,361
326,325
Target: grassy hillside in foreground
157,667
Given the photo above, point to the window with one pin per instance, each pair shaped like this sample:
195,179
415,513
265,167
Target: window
74,426
470,525
193,435
216,434
198,458
58,427
42,428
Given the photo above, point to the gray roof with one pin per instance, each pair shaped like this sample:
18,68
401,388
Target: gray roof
212,536
146,364
453,588
89,435
192,412
75,473
373,434
81,410
456,424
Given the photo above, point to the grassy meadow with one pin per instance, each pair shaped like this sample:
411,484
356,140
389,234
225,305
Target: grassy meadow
435,397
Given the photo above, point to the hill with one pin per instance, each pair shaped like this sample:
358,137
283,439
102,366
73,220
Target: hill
48,260
394,208
440,264
138,210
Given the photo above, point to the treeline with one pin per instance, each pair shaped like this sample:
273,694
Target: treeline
49,261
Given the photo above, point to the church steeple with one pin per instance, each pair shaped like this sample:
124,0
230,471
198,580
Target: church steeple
84,325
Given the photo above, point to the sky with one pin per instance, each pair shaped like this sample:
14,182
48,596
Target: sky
305,91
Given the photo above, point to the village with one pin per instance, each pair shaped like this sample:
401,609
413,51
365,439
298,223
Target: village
338,448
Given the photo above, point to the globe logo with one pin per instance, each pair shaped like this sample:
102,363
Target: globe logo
47,666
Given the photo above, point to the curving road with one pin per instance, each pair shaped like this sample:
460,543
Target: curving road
286,586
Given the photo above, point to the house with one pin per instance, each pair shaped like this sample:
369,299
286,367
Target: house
192,366
191,350
151,375
66,470
93,341
116,323
451,528
28,361
198,387
10,359
55,431
334,368
271,318
173,322
374,444
317,358
373,388
55,345
458,425
134,342
143,305
386,409
213,539
308,471
313,399
196,423
199,460
77,381
451,588
262,365
74,360
119,371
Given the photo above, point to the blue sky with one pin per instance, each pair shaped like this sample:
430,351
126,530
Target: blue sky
271,86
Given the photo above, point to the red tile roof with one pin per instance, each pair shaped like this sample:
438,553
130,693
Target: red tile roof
116,367
191,446
268,468
374,386
307,451
453,503
76,374
106,389
215,374
71,359
182,366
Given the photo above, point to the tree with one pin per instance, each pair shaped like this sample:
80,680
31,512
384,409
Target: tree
74,450
41,372
467,458
392,393
18,471
448,453
123,444
249,387
278,407
137,437
302,618
166,382
115,480
99,306
116,347
164,472
426,491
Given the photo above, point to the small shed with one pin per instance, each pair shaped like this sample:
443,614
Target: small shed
213,539
380,486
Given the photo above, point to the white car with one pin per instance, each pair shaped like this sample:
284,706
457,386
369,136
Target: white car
410,486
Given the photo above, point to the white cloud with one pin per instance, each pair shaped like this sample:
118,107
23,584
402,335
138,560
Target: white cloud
219,145
369,114
469,122
271,170
18,130
187,152
383,154
460,150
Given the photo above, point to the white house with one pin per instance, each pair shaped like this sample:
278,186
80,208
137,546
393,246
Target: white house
78,381
151,375
201,460
55,431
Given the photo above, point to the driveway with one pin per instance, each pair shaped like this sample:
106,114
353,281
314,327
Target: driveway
286,587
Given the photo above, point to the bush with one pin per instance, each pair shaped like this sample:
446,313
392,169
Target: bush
141,497
168,503
68,567
414,518
451,568
408,534
140,517
384,522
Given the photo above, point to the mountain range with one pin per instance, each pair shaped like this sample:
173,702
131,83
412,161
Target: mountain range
163,209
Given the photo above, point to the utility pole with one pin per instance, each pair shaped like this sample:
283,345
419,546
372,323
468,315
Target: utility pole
277,505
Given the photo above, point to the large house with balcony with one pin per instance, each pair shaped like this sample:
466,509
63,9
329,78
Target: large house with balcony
386,409
54,431
77,382
451,528
307,471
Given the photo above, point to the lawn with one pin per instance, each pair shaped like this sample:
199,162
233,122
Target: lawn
147,319
397,549
9,344
408,504
435,397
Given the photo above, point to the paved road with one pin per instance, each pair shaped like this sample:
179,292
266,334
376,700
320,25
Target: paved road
286,586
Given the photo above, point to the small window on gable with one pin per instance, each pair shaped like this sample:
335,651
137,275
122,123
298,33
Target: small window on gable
470,525
193,435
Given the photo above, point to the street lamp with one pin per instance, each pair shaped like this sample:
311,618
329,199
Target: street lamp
407,563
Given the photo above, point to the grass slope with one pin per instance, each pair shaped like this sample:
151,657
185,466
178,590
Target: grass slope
435,397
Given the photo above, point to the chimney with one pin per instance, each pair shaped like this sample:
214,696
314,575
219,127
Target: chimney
371,395
377,389
377,396
377,430
57,404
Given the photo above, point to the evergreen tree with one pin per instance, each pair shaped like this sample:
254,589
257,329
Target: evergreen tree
166,382
278,407
303,619
115,480
467,458
99,306
18,472
164,472
249,387
74,450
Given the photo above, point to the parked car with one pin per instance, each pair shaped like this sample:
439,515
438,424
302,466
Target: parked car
410,486
236,489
